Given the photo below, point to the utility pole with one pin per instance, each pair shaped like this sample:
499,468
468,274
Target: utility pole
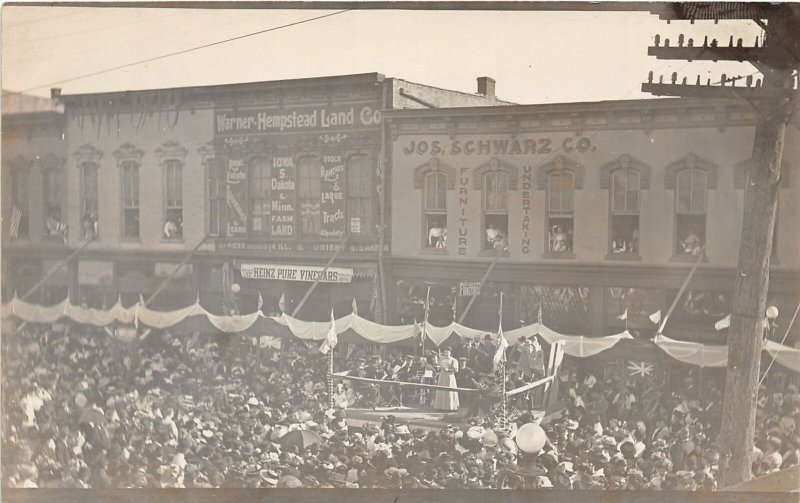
774,101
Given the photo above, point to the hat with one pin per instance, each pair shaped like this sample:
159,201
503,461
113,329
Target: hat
489,439
252,401
402,430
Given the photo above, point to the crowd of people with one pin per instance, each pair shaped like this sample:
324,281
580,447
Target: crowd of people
83,409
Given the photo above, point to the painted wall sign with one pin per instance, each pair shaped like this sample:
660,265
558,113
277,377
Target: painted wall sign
332,203
236,194
527,195
282,185
297,273
498,146
322,118
463,200
240,245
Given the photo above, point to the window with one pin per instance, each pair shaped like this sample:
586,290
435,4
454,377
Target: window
89,200
173,199
51,192
216,197
435,209
130,199
259,197
359,195
19,200
495,211
560,211
690,211
625,192
309,188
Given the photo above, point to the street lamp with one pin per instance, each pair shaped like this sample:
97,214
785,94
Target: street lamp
771,324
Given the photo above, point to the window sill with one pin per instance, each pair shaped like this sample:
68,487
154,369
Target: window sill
172,240
493,253
127,239
687,258
559,255
630,257
433,251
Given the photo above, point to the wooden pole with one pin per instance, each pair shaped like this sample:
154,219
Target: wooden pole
752,276
330,378
316,282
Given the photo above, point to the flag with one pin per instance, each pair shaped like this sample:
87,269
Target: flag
16,217
639,368
455,306
539,315
624,315
282,303
260,302
655,317
723,323
500,354
355,307
331,339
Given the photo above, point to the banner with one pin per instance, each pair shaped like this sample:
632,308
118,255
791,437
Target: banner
297,273
332,204
235,196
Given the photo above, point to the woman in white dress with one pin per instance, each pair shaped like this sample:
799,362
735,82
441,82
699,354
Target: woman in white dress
446,400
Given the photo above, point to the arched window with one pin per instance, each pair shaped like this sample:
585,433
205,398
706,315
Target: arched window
560,211
309,190
495,210
625,196
89,200
360,188
259,180
130,199
691,186
435,209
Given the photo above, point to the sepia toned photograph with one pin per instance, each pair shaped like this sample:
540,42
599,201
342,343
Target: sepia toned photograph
400,251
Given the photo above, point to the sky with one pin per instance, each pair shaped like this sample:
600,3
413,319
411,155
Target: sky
535,57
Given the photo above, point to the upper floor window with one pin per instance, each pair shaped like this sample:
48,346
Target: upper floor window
560,178
89,200
130,199
259,197
359,195
215,191
495,210
435,209
690,211
309,187
690,178
173,199
625,187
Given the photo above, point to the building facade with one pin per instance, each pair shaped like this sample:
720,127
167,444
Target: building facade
254,186
592,212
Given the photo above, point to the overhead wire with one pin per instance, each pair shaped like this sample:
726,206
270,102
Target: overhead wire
183,51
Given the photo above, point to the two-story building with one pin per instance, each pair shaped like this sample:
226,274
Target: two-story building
254,186
594,211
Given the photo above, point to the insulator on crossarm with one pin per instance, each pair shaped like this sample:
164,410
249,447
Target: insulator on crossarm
690,43
674,77
683,82
658,40
714,42
739,43
705,41
723,79
708,82
755,44
650,77
666,42
680,40
758,82
730,41
660,79
698,81
749,80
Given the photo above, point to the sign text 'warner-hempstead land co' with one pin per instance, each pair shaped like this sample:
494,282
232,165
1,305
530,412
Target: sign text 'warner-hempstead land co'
254,121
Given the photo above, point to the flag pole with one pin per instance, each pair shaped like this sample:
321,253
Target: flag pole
425,320
504,401
330,378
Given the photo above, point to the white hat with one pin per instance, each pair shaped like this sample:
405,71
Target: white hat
252,401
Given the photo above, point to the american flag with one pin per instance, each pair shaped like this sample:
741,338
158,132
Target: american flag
16,217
